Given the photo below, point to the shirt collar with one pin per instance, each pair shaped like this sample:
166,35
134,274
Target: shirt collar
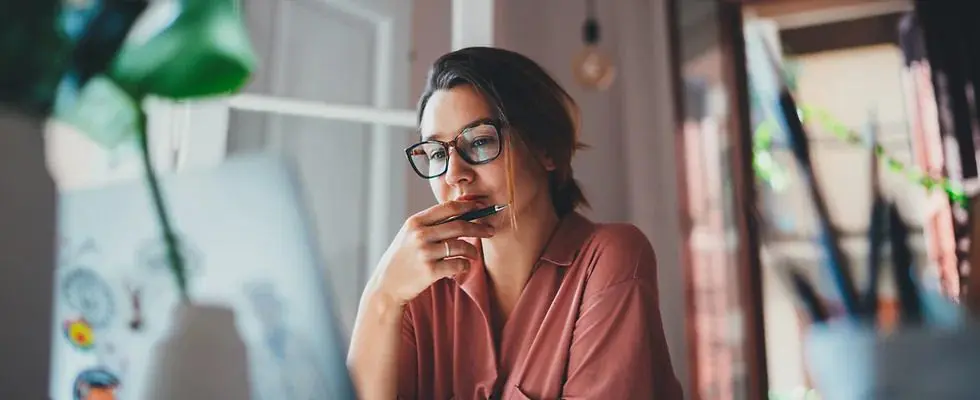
569,237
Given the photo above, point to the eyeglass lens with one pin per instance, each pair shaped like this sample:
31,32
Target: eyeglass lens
477,145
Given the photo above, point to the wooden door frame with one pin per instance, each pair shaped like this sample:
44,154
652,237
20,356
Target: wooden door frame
749,265
749,262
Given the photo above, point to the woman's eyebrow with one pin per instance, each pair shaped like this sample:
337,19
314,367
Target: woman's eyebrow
476,122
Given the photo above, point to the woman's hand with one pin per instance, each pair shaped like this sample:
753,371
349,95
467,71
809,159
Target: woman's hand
424,252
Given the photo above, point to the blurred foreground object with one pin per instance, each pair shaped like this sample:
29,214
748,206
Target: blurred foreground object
33,55
972,297
180,50
31,60
275,292
222,374
177,50
853,361
934,352
186,49
949,50
27,249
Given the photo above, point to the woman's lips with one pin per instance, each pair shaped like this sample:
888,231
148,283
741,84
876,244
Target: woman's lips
481,201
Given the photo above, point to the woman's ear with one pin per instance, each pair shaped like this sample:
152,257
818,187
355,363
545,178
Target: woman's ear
546,161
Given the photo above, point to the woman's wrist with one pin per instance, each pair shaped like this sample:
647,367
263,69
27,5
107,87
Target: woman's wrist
383,306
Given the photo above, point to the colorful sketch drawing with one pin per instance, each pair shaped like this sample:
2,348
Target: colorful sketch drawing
153,255
79,333
289,366
70,251
136,322
95,384
108,358
87,293
269,309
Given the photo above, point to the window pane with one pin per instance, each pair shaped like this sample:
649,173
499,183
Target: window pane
720,366
334,163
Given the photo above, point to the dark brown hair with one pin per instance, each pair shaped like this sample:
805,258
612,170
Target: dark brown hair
533,108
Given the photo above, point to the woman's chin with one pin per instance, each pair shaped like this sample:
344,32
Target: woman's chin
500,222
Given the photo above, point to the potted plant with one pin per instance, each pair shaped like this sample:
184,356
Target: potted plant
182,50
94,75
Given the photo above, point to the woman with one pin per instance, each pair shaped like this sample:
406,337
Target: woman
535,302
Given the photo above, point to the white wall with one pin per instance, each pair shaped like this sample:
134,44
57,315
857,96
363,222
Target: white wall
549,31
619,186
431,38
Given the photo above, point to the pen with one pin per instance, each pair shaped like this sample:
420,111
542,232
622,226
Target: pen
476,214
905,282
808,296
876,233
836,262
876,229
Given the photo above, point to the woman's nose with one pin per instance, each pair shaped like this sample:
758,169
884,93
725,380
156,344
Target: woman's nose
458,170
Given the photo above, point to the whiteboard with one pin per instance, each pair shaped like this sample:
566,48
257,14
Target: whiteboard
245,235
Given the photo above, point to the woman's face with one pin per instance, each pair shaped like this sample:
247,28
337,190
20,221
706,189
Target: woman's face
445,115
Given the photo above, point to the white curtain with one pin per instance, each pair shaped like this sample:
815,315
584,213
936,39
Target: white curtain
647,120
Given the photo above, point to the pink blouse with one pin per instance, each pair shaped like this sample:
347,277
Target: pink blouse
587,326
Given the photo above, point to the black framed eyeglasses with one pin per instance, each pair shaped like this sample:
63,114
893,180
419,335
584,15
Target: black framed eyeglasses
477,143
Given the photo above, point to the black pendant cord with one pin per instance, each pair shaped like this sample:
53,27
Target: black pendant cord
590,31
174,259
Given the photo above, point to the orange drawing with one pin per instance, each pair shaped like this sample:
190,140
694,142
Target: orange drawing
79,333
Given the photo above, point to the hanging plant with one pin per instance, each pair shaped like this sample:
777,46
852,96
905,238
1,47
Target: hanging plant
177,50
769,171
33,55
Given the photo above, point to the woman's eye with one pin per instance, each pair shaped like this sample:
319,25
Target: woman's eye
437,155
484,141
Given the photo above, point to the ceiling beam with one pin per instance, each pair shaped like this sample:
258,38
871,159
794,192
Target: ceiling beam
804,13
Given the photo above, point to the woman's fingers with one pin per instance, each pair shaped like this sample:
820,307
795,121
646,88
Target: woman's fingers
456,248
448,268
453,230
439,212
424,252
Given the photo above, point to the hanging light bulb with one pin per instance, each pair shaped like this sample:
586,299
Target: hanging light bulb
592,67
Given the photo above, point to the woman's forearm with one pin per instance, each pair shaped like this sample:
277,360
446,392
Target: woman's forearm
373,355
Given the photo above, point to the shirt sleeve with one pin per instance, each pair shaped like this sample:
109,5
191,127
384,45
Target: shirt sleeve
618,348
408,359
